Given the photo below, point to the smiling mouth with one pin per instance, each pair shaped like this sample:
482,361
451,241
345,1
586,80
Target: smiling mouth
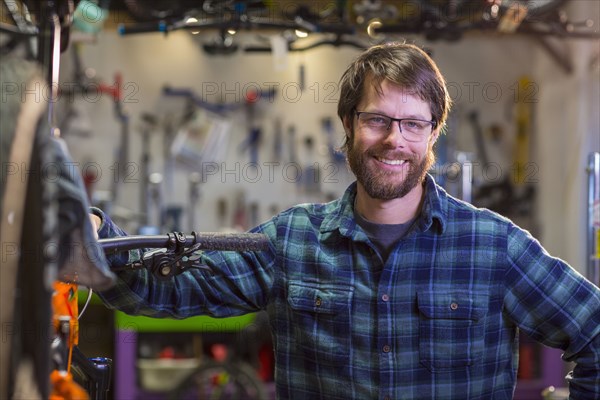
390,162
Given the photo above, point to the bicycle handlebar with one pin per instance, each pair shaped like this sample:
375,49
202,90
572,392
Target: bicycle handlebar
203,241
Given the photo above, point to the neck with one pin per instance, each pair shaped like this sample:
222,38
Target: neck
394,211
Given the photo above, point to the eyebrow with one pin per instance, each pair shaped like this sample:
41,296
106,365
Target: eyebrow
410,116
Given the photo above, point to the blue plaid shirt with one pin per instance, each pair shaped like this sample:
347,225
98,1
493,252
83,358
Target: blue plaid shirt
437,320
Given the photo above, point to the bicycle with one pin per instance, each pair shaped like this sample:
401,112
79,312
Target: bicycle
77,377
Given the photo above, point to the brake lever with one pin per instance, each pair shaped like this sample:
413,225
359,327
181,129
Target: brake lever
165,264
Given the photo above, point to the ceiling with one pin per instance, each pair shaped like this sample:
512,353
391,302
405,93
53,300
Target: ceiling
436,19
308,24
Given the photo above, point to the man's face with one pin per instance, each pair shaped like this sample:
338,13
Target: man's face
386,165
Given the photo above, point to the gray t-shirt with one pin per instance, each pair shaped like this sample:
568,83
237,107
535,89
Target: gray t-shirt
383,236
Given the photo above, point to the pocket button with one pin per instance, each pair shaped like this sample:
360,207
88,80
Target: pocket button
454,306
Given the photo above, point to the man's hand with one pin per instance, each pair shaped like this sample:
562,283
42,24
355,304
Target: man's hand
96,222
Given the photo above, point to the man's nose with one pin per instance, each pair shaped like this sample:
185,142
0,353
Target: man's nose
394,135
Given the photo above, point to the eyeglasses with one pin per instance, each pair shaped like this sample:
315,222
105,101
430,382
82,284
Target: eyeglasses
413,130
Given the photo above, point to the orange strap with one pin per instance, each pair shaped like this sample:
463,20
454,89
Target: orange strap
65,388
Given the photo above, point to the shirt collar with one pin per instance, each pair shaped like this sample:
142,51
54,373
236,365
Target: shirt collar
434,210
342,216
435,206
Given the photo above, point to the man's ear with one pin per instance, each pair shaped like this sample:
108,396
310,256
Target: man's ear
347,122
435,134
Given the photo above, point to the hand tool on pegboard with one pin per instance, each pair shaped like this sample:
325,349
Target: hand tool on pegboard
523,119
292,154
252,141
148,124
277,140
311,174
335,155
523,171
254,138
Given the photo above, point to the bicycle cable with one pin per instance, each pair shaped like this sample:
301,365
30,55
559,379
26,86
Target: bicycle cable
85,305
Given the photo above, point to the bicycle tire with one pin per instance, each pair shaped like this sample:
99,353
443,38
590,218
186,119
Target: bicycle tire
242,382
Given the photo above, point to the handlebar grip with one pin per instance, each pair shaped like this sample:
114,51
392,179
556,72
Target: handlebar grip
232,241
205,240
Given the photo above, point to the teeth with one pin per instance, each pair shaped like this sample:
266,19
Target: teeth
391,162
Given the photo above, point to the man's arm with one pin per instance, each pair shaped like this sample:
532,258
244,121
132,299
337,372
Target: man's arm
557,306
229,283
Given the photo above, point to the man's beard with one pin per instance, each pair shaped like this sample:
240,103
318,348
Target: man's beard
383,185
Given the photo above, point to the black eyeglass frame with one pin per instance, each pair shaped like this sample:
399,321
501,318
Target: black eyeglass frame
399,120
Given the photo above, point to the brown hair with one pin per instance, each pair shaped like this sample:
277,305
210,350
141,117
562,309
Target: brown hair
403,64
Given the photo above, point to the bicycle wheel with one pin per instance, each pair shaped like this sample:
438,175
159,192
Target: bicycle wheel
215,380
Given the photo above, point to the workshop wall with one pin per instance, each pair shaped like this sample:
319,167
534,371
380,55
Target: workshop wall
482,71
149,62
568,129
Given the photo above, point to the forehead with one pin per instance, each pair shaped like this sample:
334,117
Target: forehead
386,95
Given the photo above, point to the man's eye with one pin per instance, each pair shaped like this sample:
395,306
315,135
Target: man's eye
377,120
415,124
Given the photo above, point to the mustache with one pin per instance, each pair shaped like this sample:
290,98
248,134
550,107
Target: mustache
393,155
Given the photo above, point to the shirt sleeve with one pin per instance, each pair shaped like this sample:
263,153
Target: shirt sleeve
224,284
555,305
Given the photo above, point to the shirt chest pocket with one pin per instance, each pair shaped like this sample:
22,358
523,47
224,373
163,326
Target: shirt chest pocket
321,320
451,328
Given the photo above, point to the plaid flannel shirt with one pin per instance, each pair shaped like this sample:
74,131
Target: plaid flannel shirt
438,320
